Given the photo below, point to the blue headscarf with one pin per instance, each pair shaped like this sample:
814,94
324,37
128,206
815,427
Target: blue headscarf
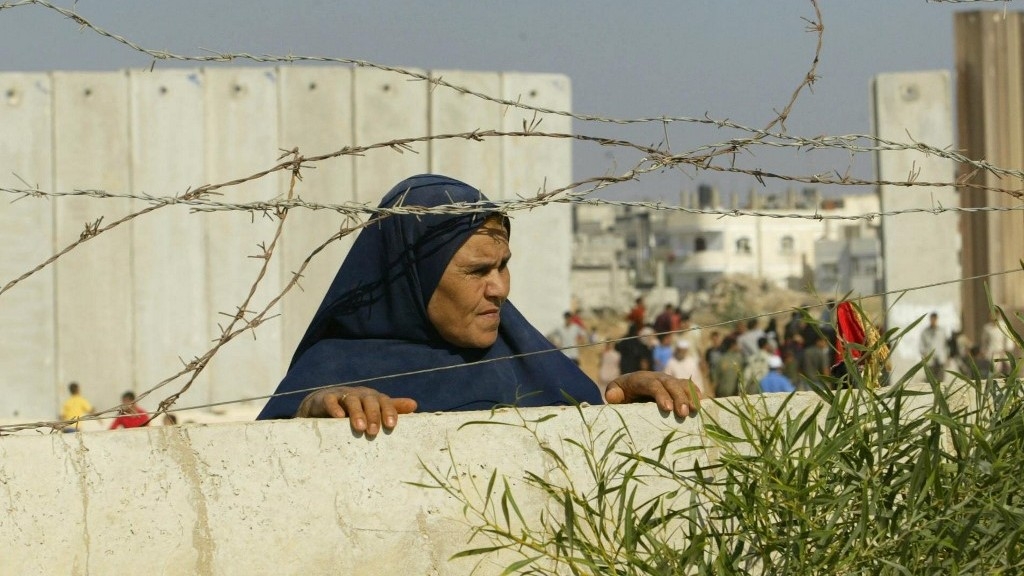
373,322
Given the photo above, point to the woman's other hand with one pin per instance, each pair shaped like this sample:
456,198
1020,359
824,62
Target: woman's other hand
367,409
677,395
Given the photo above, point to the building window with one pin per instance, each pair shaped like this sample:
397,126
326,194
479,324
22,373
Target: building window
743,245
787,245
700,244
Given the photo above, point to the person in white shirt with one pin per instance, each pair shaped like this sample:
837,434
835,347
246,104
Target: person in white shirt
570,335
685,364
933,341
996,345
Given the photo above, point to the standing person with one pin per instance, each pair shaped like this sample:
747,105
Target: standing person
817,360
827,320
794,326
677,319
638,314
980,366
662,352
771,331
132,416
774,380
634,354
74,407
684,364
730,369
758,363
691,333
711,358
577,319
791,366
933,347
570,336
748,340
996,345
663,322
610,367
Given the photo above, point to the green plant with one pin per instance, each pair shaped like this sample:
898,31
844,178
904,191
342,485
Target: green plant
899,480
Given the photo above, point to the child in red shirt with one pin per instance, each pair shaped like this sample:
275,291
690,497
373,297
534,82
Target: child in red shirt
131,415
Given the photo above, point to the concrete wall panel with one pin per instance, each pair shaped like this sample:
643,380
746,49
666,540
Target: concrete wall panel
316,116
94,283
28,381
169,245
540,277
917,249
388,106
123,310
475,162
242,139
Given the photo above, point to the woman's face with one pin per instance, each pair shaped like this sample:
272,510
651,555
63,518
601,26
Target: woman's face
465,306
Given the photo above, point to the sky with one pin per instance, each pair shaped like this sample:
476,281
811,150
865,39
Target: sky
734,59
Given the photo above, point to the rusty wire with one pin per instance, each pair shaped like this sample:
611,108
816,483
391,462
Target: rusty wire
246,318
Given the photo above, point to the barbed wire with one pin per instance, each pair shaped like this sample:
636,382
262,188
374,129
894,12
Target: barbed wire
357,209
758,135
653,158
108,414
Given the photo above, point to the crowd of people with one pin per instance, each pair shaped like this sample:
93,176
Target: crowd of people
947,350
750,359
759,355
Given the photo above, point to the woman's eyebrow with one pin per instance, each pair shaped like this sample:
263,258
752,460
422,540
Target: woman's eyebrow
472,261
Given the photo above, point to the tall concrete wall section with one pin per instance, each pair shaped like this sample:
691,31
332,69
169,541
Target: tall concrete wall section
28,379
316,117
451,112
541,239
388,106
94,286
242,139
990,106
917,249
127,309
168,145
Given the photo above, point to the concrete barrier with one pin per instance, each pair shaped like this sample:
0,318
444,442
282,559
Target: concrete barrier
301,496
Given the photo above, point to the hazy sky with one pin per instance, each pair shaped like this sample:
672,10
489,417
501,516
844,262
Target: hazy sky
726,58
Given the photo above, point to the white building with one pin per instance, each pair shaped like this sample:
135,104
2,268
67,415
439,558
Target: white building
696,249
700,248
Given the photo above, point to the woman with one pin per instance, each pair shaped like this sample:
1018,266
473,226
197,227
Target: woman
418,313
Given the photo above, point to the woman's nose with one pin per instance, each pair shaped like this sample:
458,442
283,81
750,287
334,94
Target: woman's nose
498,285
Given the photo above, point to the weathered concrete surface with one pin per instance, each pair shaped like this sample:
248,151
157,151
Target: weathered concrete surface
917,249
292,497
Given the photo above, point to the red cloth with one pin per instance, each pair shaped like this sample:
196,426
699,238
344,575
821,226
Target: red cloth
848,329
136,420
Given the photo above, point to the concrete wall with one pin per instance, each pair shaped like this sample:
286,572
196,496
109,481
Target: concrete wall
989,58
125,310
917,249
300,496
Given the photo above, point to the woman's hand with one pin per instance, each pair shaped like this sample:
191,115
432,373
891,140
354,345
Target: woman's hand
366,408
670,393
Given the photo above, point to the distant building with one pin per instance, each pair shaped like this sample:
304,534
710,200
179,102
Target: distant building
693,250
600,277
